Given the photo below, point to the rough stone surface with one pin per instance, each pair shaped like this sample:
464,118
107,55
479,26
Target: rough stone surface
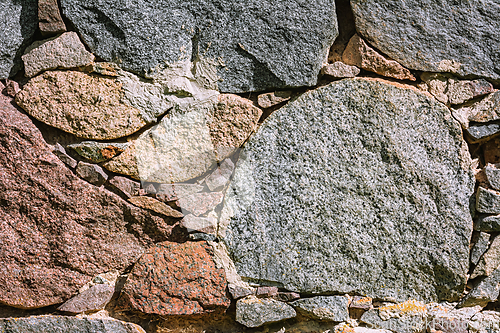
92,173
198,287
219,178
485,322
49,17
407,317
445,319
358,53
490,261
266,291
200,203
255,312
487,223
155,205
340,70
486,291
459,37
480,247
487,201
332,199
246,42
125,163
206,225
173,192
127,187
286,296
56,324
19,22
359,302
93,299
493,175
482,132
327,308
56,230
98,152
65,51
238,292
60,152
273,98
11,88
93,111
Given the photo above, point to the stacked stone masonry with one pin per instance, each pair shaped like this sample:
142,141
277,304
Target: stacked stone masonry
256,166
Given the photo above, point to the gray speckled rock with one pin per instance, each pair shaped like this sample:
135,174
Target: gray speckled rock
487,223
360,186
487,201
490,261
493,174
452,36
407,317
58,324
486,291
327,308
255,44
19,22
485,322
481,245
255,312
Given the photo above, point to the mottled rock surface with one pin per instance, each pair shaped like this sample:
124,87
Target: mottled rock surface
219,178
407,317
98,152
461,37
328,308
255,312
333,199
485,322
127,187
92,299
56,324
493,175
273,98
487,201
340,70
484,292
480,247
490,261
49,17
242,43
173,192
155,205
200,203
60,152
193,223
58,231
19,22
198,287
487,223
65,51
92,173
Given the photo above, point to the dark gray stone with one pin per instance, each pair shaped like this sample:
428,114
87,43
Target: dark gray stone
487,201
255,45
436,36
493,175
486,291
60,324
487,223
327,308
357,187
481,245
92,173
19,20
255,312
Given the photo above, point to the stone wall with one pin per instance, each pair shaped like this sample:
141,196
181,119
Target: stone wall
255,166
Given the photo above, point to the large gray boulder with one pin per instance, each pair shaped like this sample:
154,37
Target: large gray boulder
19,20
356,187
461,37
254,45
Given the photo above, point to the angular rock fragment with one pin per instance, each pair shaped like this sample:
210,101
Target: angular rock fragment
487,201
243,45
480,247
93,299
359,54
51,323
437,37
286,296
60,152
98,152
239,292
478,132
58,231
19,22
340,70
92,173
490,261
486,291
407,317
125,163
443,319
310,194
485,322
255,312
49,17
493,175
220,176
483,111
359,302
273,98
155,205
65,51
324,308
173,192
487,223
206,225
266,291
11,88
176,279
200,203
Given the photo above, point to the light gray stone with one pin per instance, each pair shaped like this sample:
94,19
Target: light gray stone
350,187
206,225
59,324
63,156
461,37
255,312
486,291
493,175
487,223
173,192
481,245
220,176
483,111
93,299
481,132
200,203
19,22
340,70
407,317
490,261
325,308
65,51
485,322
487,201
98,152
92,173
446,319
253,46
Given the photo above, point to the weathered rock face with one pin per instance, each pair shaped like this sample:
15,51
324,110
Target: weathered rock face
50,324
255,312
328,308
58,231
92,299
198,287
49,17
326,198
459,37
19,22
243,42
